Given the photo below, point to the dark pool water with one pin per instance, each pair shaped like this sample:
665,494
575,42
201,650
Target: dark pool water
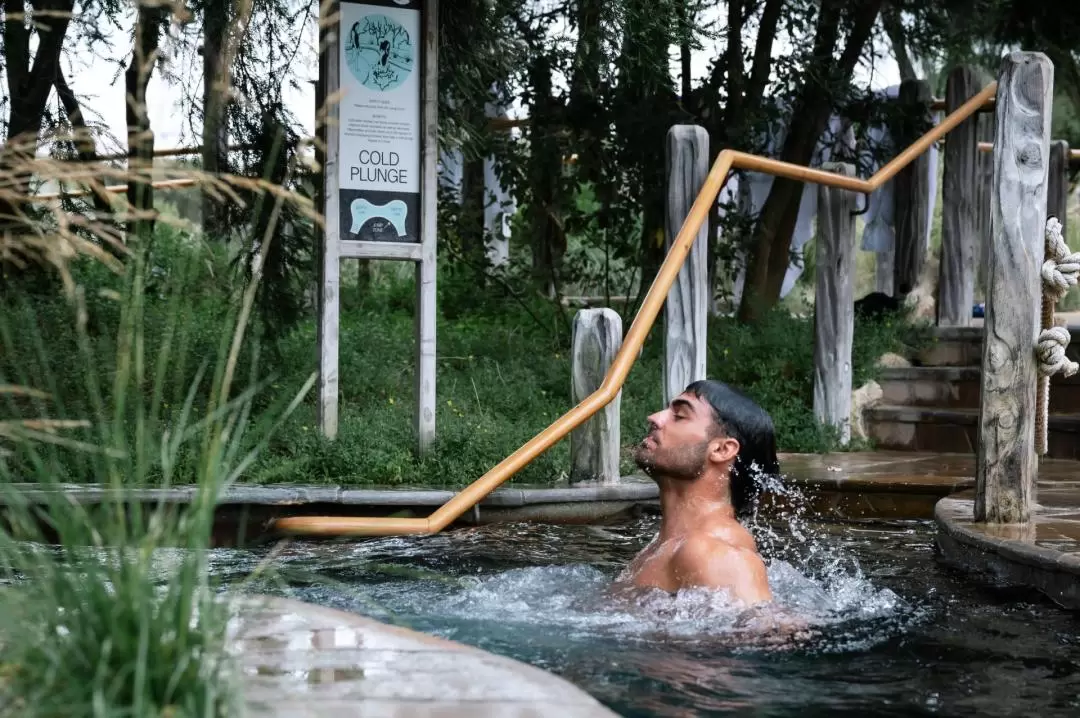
892,630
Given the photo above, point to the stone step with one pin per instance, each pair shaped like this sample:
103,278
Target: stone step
959,387
962,347
925,429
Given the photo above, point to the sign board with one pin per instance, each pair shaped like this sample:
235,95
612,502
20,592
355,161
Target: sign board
379,86
379,124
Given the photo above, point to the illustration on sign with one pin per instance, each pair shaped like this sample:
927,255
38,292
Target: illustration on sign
379,52
379,128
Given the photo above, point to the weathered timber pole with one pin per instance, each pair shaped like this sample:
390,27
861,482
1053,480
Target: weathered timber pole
1057,184
1006,464
834,303
594,446
912,187
687,306
956,273
984,183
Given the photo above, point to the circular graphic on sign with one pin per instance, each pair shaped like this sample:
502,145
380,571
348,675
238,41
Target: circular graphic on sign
379,52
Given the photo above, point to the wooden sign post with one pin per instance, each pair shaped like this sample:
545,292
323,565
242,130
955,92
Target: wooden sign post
378,68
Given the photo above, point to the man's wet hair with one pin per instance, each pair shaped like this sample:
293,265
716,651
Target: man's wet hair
741,418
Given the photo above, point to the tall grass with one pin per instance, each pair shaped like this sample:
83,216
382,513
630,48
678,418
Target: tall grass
92,622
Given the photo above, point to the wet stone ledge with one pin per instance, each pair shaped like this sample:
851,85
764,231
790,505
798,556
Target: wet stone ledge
307,661
855,485
1042,555
629,489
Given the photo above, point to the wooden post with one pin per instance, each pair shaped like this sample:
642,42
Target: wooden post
984,183
1057,185
424,413
329,251
956,273
1006,465
834,303
912,187
883,270
594,446
687,306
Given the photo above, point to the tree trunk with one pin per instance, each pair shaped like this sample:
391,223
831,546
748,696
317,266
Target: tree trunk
16,50
473,199
29,88
84,140
217,84
733,60
548,242
144,55
894,28
771,245
584,109
686,22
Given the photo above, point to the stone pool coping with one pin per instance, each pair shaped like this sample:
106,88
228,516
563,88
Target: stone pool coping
847,485
1043,554
628,489
307,661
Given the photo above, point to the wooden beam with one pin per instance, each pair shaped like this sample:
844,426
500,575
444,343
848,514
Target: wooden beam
687,305
594,446
956,272
1006,464
1057,184
412,251
329,264
834,303
427,309
911,199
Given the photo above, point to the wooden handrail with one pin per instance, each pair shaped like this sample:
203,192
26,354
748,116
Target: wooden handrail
635,337
116,189
989,147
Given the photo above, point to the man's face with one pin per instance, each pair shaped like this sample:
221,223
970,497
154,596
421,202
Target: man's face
677,443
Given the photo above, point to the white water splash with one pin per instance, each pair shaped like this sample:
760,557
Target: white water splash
556,584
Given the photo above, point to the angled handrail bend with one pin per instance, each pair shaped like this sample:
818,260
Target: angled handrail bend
635,337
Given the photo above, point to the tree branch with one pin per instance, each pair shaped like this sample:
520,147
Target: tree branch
759,71
863,24
890,18
16,46
84,140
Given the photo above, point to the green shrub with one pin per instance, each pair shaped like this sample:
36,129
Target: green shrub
503,370
92,622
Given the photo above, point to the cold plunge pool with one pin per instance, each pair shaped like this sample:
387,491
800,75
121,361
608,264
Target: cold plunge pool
893,631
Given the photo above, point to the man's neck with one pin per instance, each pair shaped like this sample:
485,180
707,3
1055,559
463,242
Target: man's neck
688,505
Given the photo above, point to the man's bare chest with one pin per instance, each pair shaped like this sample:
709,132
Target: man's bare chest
652,567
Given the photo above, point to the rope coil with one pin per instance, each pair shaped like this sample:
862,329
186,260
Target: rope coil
1060,272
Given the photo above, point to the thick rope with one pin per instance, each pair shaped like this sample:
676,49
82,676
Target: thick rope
1059,274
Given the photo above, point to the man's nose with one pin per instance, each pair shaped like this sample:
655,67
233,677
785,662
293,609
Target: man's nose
657,419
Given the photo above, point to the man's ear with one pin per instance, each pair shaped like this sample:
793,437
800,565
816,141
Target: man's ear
724,449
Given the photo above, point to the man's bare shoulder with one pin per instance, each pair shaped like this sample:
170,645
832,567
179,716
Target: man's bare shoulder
723,558
715,545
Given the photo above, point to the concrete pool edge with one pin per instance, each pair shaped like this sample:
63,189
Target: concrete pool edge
842,486
301,659
1006,556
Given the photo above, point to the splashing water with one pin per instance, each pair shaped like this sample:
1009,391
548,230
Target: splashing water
555,583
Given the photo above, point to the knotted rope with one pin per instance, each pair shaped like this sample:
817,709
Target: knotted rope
1059,274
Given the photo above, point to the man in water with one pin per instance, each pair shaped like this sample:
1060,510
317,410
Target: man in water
704,451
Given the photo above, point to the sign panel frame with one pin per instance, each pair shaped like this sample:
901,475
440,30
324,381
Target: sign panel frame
378,78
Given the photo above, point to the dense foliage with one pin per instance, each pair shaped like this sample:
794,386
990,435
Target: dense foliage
503,371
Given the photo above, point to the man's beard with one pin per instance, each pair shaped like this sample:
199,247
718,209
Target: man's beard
686,463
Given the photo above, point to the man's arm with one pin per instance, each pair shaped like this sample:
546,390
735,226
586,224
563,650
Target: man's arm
713,563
